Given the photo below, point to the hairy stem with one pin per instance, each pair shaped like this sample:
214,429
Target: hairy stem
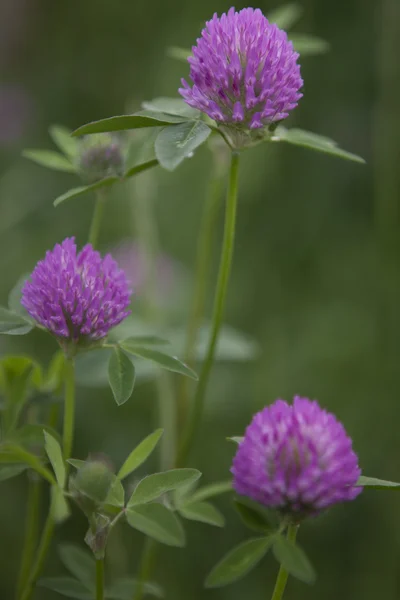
31,531
219,304
282,578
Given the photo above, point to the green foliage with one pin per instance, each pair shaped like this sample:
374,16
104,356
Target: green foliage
175,143
154,486
143,118
313,141
211,490
84,189
172,106
140,454
50,159
158,522
124,589
61,136
293,559
286,15
54,453
121,376
18,376
12,323
79,563
309,45
238,562
10,471
204,512
66,586
165,361
377,484
59,505
252,518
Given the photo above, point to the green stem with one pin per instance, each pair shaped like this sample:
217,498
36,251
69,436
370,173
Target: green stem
203,268
219,304
100,579
282,578
69,408
97,218
145,568
40,557
31,531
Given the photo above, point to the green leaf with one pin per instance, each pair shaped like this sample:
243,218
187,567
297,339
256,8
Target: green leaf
18,375
124,589
144,340
50,159
172,106
252,518
203,512
13,324
236,439
66,586
309,45
238,562
136,169
12,453
143,118
84,189
59,505
32,435
293,559
75,462
177,142
213,489
377,484
61,136
165,361
285,16
10,471
140,454
181,54
154,486
156,521
121,376
14,299
79,563
313,141
116,495
54,453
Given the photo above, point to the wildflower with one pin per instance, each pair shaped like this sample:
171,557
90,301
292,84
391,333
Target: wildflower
296,458
244,71
78,297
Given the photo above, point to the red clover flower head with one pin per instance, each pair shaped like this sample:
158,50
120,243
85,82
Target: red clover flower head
244,71
297,459
78,297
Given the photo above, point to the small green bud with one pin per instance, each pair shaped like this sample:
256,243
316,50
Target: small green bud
100,155
94,480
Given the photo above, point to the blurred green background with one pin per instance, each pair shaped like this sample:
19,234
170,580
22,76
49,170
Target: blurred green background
315,281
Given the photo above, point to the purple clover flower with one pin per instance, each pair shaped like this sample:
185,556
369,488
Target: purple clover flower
78,297
244,71
296,458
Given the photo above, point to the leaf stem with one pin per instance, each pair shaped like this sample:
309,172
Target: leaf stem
145,568
69,408
203,267
97,218
100,579
40,556
31,530
219,304
282,578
